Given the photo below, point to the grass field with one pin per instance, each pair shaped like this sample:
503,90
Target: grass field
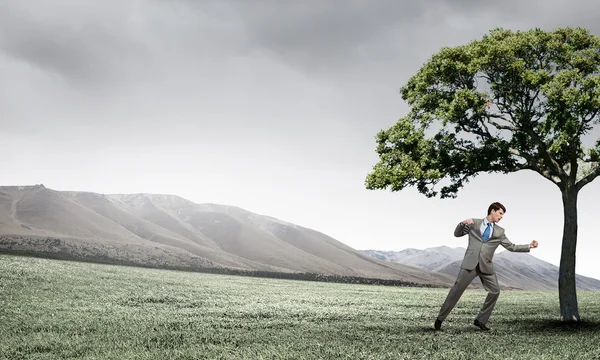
52,309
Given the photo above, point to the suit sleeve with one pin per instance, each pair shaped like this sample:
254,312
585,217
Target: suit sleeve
513,247
461,230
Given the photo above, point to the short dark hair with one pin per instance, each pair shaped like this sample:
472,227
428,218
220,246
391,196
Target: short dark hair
496,206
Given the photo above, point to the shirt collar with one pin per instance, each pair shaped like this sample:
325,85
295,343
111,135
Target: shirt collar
485,222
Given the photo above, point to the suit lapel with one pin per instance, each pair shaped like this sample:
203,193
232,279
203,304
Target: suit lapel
497,232
477,224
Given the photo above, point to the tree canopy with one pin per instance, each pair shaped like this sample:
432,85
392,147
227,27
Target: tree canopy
511,101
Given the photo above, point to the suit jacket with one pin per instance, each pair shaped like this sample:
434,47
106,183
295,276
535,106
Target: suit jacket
481,252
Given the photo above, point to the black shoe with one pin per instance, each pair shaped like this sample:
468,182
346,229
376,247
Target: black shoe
438,324
480,325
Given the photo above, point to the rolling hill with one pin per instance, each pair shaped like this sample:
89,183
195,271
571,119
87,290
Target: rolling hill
169,231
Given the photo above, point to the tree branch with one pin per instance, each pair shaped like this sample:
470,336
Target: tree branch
499,126
533,99
532,164
586,120
484,133
573,168
553,168
593,115
552,165
589,178
462,81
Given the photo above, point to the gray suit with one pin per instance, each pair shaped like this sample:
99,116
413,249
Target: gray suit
478,261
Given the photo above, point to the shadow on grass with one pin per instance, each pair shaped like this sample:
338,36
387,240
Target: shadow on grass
453,329
551,325
525,326
517,325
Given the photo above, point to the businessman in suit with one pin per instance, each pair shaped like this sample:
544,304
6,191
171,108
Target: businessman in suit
484,237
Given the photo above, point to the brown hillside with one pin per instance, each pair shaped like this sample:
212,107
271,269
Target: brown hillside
156,229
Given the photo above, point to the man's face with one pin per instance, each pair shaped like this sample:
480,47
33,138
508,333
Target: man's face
497,215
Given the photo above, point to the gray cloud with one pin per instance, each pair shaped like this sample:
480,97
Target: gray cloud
330,32
202,69
93,44
342,35
90,42
74,39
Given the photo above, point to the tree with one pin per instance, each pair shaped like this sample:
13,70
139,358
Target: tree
511,101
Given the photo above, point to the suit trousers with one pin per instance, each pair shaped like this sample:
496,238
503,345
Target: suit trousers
464,278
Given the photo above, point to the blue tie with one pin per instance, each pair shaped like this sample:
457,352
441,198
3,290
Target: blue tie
487,232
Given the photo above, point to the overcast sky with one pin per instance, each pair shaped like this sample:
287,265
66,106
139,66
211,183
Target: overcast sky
269,105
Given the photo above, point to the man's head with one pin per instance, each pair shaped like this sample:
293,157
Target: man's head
496,212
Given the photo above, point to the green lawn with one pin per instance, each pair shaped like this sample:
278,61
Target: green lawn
52,309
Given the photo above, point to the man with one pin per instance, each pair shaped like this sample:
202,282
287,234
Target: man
484,237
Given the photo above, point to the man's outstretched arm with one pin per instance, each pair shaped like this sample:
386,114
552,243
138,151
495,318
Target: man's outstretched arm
517,248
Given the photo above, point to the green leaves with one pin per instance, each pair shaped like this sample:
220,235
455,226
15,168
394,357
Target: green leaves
405,158
409,158
510,101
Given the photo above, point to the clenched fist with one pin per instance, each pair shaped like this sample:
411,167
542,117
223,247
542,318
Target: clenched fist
533,244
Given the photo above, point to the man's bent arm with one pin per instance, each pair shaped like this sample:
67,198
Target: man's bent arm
461,230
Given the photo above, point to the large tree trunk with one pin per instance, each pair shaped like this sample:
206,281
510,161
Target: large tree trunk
567,292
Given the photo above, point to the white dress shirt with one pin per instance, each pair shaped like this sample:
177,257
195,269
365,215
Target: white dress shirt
484,224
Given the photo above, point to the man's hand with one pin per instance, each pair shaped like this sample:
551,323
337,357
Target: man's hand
467,222
533,244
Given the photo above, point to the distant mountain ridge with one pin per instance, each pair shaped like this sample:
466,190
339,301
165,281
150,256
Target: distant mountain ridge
517,270
170,231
